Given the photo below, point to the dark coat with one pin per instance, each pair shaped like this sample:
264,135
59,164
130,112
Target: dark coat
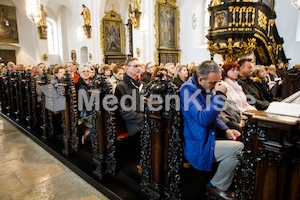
133,118
250,88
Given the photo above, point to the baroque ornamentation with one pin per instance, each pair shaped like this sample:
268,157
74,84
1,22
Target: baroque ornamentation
262,20
232,50
135,14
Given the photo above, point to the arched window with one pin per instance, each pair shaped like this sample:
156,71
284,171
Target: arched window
52,36
206,20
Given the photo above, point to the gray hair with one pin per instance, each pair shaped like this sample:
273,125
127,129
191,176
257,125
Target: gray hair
207,67
85,65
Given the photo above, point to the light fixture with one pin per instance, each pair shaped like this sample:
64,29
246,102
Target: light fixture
296,3
194,21
194,18
33,11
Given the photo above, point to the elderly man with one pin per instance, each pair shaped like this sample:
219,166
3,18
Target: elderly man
150,67
171,69
129,107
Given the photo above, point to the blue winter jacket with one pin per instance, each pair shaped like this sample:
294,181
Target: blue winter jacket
200,122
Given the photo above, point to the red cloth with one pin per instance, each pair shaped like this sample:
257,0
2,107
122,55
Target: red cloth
76,78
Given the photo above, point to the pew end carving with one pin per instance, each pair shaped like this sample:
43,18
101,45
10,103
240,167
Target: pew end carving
161,153
104,135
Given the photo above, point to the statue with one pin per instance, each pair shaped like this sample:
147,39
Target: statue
42,24
86,15
134,12
87,21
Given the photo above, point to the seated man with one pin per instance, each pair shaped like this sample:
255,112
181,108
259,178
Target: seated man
200,111
249,87
128,93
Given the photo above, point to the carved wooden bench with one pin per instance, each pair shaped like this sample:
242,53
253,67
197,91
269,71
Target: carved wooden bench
161,153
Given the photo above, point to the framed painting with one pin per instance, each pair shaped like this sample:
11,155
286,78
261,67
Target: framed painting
113,34
220,19
167,21
8,24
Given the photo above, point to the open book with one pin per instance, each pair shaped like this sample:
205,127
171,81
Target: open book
281,108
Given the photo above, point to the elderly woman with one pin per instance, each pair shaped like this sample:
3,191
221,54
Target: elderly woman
181,74
259,79
86,115
118,74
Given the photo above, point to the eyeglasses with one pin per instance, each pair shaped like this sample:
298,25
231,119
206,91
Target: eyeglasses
135,66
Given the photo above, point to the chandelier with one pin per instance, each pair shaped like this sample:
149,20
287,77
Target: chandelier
296,3
33,11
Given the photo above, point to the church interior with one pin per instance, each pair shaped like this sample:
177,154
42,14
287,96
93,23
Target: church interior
99,86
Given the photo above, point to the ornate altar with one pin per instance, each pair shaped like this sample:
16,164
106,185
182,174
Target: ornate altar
113,38
244,27
167,32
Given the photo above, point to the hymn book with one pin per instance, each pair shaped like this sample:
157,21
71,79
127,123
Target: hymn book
282,108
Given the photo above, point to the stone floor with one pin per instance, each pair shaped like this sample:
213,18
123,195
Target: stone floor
27,171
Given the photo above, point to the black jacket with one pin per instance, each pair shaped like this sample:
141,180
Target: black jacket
133,117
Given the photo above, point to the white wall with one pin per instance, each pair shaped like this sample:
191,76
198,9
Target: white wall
192,46
67,15
286,22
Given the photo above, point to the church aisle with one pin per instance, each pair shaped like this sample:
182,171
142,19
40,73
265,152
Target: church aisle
30,172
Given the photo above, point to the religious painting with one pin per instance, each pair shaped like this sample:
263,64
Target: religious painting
168,25
220,19
112,34
8,24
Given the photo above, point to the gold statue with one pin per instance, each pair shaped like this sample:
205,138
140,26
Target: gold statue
42,21
86,15
42,28
134,12
87,21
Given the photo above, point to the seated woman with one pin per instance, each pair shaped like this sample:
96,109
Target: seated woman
160,71
274,83
118,74
85,114
59,72
234,90
259,79
236,101
181,74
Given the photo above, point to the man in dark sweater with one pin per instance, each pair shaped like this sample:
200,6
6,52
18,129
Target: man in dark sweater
249,88
129,93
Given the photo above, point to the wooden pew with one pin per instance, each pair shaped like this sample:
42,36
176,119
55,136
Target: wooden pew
46,115
161,153
104,136
70,117
5,93
31,101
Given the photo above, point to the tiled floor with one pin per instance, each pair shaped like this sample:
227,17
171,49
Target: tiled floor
27,171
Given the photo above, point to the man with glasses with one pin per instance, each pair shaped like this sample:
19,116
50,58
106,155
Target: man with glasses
130,108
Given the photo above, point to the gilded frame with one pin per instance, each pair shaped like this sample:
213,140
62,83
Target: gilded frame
166,25
112,34
8,24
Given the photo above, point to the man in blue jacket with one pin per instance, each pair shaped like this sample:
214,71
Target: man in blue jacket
200,109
